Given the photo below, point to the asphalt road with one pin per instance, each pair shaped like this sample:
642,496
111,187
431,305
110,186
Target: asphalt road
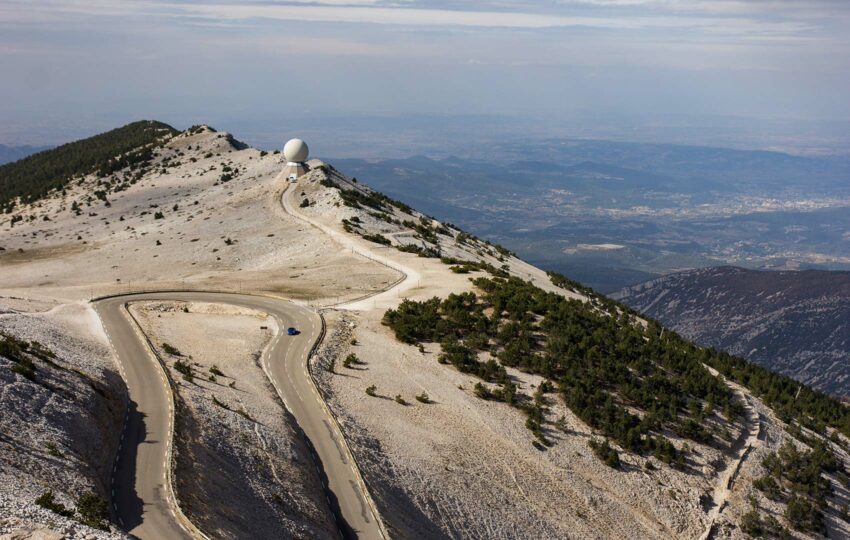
140,495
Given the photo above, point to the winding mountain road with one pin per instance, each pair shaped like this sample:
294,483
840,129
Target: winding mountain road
142,498
388,297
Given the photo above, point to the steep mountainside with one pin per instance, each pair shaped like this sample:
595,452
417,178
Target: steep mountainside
480,396
793,322
62,405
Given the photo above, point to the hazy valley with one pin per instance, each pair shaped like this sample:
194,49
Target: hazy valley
612,214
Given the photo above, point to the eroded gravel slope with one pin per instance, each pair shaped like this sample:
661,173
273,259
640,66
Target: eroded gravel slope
58,431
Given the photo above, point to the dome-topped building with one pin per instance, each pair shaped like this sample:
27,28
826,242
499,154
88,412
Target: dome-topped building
295,151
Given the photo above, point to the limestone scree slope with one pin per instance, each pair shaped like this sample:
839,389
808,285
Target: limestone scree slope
206,214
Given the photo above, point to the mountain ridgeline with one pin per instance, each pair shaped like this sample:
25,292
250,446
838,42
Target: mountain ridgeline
37,175
793,322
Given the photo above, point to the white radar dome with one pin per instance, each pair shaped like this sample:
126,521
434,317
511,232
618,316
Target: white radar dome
295,150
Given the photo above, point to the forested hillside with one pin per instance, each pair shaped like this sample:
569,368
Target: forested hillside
603,360
34,176
637,385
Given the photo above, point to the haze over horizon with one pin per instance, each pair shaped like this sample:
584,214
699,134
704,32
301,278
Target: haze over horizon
744,74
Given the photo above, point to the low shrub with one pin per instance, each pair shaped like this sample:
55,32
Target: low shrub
48,501
185,368
170,349
93,511
605,452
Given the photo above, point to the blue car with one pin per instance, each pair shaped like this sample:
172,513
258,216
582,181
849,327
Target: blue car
292,331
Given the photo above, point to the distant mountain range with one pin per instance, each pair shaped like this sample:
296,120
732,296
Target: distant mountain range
9,154
793,322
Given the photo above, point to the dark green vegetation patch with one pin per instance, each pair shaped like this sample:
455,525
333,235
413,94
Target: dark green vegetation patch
92,509
634,384
22,353
35,176
796,477
604,362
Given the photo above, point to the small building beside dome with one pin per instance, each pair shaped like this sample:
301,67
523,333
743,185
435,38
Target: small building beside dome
295,151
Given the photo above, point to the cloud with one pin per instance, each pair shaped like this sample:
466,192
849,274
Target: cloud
482,19
676,17
771,57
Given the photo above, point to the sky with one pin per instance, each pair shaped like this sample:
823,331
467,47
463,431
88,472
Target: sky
757,73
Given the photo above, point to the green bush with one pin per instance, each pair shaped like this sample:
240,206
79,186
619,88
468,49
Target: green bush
350,360
803,516
372,390
377,238
426,251
185,368
93,511
769,487
170,349
605,452
48,501
482,391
